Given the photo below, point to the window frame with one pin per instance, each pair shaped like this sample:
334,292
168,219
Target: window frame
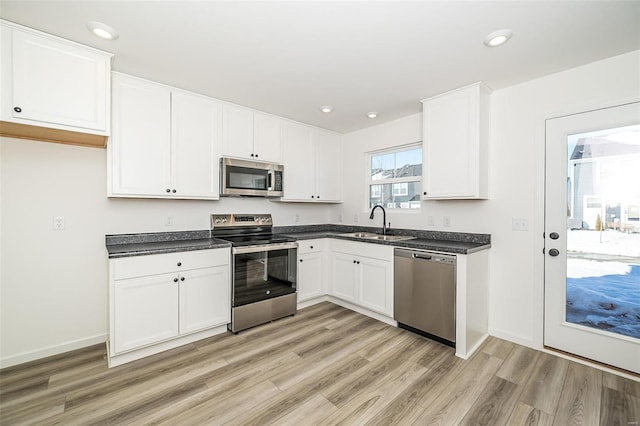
411,179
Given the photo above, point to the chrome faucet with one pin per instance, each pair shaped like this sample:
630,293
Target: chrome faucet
384,217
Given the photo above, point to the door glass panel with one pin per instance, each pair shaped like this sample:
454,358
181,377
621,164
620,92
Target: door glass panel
263,275
603,230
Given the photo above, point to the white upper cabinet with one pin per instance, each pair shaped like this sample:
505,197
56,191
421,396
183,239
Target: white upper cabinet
268,134
455,144
312,164
53,83
164,142
237,132
328,167
194,141
299,163
251,135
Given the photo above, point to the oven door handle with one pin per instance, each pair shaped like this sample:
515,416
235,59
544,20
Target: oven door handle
263,247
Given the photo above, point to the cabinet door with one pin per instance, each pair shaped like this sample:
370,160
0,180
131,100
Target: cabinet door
310,272
299,163
376,285
328,166
268,137
145,311
237,132
59,82
205,300
140,146
343,276
194,141
454,135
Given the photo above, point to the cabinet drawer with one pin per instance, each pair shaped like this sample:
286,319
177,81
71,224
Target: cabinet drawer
139,266
371,250
310,246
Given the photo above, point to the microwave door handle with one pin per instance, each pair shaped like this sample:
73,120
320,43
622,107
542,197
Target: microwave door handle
270,180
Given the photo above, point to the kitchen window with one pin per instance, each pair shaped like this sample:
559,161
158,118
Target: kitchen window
394,177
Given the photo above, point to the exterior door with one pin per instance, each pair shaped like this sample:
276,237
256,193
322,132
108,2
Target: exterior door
592,235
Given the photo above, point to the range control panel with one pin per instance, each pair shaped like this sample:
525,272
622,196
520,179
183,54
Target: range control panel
240,220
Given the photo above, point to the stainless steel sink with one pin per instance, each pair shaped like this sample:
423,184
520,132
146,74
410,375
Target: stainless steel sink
373,236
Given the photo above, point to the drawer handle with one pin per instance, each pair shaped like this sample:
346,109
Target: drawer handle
175,280
181,278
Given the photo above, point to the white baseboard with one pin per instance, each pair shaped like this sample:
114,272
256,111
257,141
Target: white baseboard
513,338
311,302
52,350
363,311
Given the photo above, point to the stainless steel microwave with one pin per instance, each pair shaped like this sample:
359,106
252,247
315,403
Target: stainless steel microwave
250,178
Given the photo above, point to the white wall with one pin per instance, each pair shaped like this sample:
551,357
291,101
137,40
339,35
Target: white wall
53,284
515,179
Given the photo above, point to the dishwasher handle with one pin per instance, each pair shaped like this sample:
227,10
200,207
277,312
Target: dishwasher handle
422,256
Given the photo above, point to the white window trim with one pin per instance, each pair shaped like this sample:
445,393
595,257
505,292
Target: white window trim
369,181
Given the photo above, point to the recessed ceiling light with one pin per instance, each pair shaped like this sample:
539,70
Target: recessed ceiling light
372,114
497,38
326,108
102,30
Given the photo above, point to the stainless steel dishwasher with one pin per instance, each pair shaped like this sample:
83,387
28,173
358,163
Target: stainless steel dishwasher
425,293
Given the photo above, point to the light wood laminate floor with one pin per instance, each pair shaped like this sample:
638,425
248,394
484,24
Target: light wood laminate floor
326,365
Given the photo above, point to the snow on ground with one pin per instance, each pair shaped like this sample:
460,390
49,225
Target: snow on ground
607,302
604,242
604,294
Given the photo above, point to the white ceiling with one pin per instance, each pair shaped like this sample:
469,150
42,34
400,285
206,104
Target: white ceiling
290,58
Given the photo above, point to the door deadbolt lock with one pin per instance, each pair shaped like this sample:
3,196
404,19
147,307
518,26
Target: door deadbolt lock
554,236
554,252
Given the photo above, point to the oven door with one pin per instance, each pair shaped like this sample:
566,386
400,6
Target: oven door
263,272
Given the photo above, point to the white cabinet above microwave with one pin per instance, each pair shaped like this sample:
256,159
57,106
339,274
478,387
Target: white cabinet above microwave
251,135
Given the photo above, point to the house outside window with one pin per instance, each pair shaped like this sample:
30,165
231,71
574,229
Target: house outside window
395,177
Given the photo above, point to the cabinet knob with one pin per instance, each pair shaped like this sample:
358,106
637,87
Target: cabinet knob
179,263
252,155
17,109
358,262
354,261
181,278
174,191
424,193
311,247
318,197
168,190
256,155
312,196
175,280
300,260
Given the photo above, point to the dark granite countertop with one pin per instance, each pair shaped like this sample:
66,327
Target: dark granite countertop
128,245
447,242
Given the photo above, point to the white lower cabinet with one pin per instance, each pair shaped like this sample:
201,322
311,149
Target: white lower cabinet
165,300
145,311
362,274
311,270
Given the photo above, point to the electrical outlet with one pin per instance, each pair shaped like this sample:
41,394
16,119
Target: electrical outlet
519,224
58,223
340,218
431,221
297,218
446,221
168,221
355,218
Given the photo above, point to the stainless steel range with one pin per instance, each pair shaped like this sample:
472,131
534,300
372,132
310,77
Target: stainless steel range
263,269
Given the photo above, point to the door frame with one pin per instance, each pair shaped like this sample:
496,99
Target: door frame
539,219
538,222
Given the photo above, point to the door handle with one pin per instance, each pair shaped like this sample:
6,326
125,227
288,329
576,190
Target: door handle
554,236
554,252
